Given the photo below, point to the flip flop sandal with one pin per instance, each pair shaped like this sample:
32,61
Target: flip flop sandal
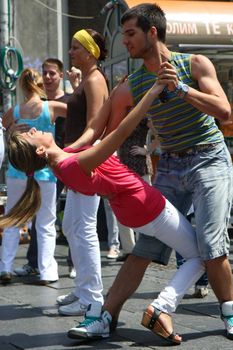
152,322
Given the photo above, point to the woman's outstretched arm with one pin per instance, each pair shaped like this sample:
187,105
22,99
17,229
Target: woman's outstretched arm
93,157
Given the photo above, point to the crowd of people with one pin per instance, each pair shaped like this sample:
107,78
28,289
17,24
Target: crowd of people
95,143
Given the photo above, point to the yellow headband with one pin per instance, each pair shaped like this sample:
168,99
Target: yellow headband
88,42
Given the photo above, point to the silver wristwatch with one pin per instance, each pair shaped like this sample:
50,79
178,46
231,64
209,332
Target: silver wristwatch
181,89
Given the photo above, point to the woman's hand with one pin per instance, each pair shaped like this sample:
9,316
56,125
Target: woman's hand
75,76
158,87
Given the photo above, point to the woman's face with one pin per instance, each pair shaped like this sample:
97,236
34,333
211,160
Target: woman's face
38,138
78,54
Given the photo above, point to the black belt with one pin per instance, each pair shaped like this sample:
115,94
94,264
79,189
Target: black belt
193,150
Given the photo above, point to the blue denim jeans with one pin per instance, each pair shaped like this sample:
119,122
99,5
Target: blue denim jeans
203,178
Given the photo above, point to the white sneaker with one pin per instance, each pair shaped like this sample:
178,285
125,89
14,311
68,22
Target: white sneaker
72,272
113,253
92,327
26,270
66,299
73,309
227,317
200,292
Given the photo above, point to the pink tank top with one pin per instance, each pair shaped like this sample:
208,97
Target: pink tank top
134,202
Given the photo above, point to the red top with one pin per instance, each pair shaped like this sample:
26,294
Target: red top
134,202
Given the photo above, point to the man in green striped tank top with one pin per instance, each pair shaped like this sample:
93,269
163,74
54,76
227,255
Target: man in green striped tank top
195,165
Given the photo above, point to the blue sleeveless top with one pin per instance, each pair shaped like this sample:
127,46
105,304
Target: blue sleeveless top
43,123
179,124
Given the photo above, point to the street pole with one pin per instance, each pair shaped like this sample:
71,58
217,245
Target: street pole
59,31
4,41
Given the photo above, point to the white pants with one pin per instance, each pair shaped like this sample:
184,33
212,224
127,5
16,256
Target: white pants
79,227
45,227
126,234
172,228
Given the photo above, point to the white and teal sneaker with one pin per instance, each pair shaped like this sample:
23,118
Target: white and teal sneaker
227,317
95,327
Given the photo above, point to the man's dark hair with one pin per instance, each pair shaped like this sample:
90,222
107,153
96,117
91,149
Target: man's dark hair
53,61
148,15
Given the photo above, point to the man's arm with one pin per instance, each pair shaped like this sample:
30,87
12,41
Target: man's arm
121,103
211,98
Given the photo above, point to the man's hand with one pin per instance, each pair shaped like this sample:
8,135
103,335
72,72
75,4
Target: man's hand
138,151
167,75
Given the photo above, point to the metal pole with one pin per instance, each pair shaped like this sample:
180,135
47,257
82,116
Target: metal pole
4,41
59,30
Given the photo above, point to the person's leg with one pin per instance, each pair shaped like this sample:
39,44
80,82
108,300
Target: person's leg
146,249
46,232
67,229
127,238
11,235
113,231
212,202
32,252
69,259
123,287
179,195
201,286
171,227
60,187
220,276
85,251
73,296
31,267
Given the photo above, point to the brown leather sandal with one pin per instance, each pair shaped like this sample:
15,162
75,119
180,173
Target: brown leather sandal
152,322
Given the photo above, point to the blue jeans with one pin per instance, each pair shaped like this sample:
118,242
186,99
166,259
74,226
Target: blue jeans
203,178
112,225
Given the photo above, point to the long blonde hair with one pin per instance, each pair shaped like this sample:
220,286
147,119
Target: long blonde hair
31,81
23,157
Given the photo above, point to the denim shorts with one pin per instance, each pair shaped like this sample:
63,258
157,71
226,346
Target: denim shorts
203,179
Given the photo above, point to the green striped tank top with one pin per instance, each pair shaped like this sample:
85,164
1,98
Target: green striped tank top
179,124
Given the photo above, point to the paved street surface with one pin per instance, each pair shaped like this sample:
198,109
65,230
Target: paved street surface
29,318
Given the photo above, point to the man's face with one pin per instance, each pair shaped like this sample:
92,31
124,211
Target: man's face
136,41
51,77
